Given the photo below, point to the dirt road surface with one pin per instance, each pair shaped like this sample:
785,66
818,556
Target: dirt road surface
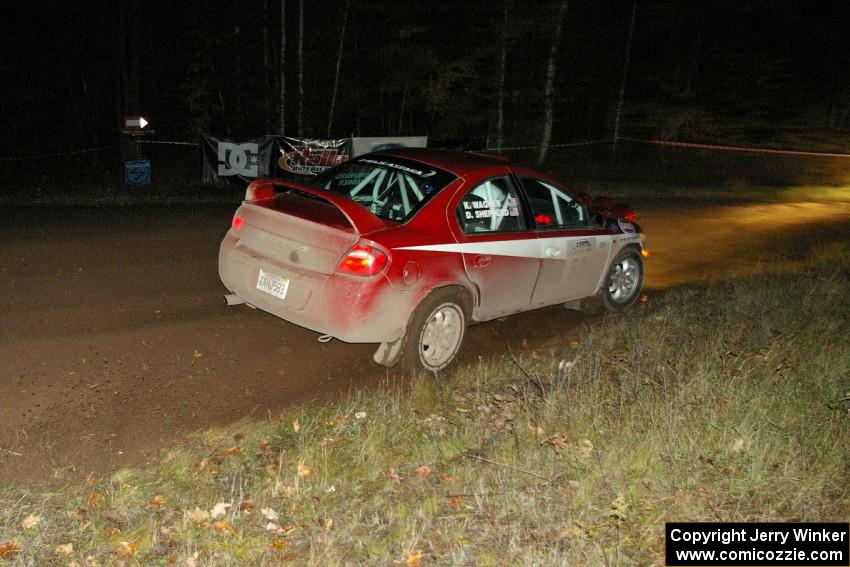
115,340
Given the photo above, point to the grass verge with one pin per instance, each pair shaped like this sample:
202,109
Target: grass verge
725,402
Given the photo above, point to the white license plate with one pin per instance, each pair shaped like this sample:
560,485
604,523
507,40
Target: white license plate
273,284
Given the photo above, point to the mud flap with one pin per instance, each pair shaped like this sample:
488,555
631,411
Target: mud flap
388,354
592,304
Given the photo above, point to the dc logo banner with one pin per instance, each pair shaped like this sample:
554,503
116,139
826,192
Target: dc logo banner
226,162
238,159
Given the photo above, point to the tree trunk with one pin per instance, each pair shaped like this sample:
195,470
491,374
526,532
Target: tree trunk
500,112
133,100
549,92
401,111
266,85
625,76
338,65
282,69
300,68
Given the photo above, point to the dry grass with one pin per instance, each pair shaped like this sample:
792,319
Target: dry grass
715,403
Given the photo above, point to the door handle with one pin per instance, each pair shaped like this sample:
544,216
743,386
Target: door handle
553,252
481,260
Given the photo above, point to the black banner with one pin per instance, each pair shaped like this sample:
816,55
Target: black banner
742,544
226,162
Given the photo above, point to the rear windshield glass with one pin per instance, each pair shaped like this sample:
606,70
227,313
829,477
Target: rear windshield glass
393,189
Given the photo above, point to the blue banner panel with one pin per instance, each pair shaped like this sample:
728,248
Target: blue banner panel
137,173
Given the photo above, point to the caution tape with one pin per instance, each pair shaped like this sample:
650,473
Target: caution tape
166,142
568,145
745,149
58,154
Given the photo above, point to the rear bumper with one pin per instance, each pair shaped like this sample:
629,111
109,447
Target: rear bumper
354,310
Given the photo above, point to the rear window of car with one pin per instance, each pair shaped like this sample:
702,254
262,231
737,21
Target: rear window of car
393,189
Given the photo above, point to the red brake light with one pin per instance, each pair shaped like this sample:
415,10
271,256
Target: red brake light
543,219
362,260
258,191
237,222
630,216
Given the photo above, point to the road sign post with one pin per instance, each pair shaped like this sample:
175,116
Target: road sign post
137,168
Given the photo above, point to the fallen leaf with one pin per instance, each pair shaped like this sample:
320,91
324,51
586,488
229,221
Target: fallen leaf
303,470
296,426
557,442
219,510
327,523
65,549
233,451
423,471
269,514
536,430
197,515
414,559
738,446
203,464
265,445
127,549
222,527
112,532
644,298
89,482
457,501
574,344
272,527
94,499
197,354
30,521
360,415
280,544
156,501
9,549
445,477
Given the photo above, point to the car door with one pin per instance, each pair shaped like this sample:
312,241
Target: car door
500,251
574,253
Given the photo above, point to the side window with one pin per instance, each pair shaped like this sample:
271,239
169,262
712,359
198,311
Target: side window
490,206
551,207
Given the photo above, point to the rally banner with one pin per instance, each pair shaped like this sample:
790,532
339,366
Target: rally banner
226,162
309,156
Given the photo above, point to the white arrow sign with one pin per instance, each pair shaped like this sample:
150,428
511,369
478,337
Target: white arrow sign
135,122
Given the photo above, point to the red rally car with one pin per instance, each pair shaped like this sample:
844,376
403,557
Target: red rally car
407,247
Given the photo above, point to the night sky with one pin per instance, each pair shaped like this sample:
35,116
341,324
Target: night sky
720,71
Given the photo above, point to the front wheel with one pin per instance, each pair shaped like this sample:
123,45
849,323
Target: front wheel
436,330
624,281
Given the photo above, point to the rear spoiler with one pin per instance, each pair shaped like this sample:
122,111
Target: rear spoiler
359,216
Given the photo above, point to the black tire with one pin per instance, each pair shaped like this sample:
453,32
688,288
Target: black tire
623,281
445,309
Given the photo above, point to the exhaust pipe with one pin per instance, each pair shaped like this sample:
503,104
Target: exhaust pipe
233,299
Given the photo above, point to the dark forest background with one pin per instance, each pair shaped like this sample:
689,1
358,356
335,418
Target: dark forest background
759,72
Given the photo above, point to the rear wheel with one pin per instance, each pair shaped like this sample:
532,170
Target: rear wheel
624,281
436,330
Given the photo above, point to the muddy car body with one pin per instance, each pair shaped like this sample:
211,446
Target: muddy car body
406,247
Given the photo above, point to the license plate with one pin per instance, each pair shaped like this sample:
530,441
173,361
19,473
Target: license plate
273,284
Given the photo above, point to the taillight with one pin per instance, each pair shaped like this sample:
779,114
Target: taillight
237,223
630,216
362,260
257,191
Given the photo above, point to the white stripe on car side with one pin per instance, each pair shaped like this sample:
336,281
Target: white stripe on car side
525,248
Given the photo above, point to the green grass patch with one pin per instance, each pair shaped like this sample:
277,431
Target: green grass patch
724,402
